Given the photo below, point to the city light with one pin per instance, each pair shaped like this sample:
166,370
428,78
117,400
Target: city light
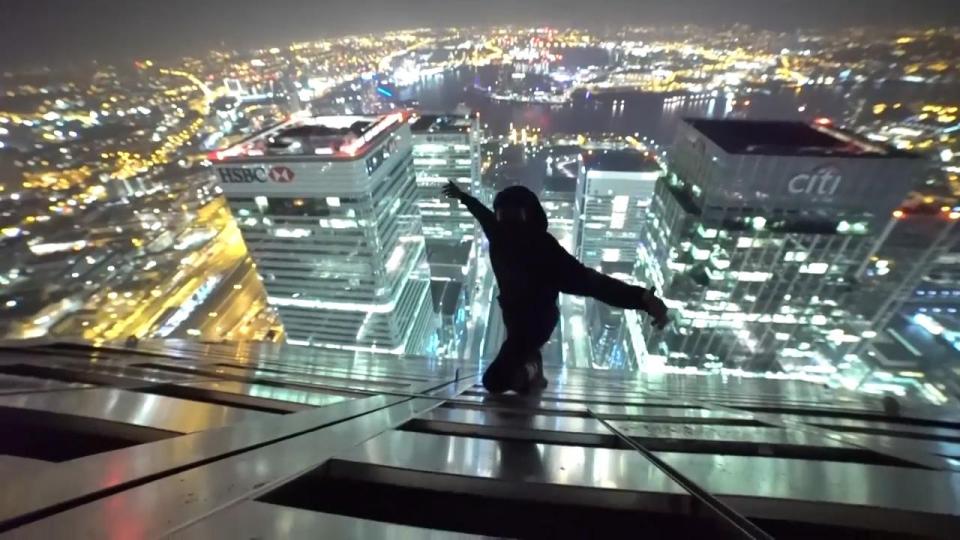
56,247
295,176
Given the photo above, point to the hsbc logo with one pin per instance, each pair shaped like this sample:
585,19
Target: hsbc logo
279,174
242,176
823,181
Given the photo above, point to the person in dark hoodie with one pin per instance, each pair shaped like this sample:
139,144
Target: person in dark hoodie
532,269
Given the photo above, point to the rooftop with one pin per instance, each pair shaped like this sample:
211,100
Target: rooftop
445,252
440,123
785,138
325,137
620,160
377,445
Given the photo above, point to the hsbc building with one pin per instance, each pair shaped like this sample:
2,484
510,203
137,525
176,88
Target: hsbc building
280,174
759,234
327,208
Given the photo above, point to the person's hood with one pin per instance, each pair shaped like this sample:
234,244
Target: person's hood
521,197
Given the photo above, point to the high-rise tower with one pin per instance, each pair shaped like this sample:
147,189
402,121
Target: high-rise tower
327,208
760,234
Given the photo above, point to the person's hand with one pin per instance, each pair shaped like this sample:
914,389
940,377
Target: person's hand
452,190
655,307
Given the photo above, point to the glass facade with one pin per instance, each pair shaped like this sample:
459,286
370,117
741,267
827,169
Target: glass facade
446,148
615,190
340,249
756,282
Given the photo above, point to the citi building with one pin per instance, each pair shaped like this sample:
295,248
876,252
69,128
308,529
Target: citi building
758,236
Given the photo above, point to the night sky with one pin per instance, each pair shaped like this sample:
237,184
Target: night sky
34,32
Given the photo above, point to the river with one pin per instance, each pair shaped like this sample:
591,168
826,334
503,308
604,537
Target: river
652,115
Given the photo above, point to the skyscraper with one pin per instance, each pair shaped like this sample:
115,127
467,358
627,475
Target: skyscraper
913,247
910,296
760,233
327,208
561,194
615,189
927,233
446,148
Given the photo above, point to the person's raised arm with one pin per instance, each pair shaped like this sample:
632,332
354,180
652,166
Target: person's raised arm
575,278
483,215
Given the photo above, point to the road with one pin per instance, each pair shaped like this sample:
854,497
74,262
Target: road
223,259
228,311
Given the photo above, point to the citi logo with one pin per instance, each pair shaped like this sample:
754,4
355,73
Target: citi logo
823,181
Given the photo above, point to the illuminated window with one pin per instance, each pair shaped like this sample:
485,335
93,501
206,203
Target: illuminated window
706,233
429,161
815,268
754,276
620,203
291,233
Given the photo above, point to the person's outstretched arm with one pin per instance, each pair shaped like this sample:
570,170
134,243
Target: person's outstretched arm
577,279
483,215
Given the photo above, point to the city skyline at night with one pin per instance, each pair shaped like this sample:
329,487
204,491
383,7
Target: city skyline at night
115,180
480,269
60,33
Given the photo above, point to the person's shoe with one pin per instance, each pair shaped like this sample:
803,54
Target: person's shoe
536,382
520,380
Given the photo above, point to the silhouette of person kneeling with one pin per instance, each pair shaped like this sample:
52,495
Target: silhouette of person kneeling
532,269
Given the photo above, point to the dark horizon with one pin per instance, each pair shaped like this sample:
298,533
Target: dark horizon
58,32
